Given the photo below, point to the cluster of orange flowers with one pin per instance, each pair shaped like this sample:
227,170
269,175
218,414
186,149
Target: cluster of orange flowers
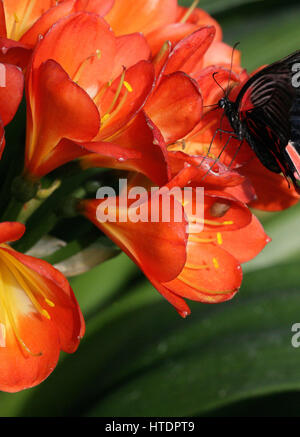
124,84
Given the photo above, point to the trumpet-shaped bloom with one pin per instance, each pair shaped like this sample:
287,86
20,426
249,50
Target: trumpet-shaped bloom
159,20
177,114
88,95
22,23
39,315
201,265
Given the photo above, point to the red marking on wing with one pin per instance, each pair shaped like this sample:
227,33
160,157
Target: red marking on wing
295,158
246,103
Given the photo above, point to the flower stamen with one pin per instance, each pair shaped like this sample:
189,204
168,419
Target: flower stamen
112,110
189,11
81,67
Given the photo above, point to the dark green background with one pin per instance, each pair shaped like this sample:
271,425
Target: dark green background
139,358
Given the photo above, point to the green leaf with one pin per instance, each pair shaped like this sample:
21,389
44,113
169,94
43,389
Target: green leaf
139,358
267,30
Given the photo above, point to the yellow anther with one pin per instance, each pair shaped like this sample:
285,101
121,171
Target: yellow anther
98,53
219,238
49,302
118,92
195,266
201,240
128,86
46,314
195,286
212,223
105,117
16,18
216,263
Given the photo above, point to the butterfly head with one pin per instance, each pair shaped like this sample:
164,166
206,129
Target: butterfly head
223,102
226,104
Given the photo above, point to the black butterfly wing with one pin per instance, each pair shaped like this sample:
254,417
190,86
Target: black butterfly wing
264,105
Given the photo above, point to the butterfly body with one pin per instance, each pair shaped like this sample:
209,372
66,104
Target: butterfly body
266,114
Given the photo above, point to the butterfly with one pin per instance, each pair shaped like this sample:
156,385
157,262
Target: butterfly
266,114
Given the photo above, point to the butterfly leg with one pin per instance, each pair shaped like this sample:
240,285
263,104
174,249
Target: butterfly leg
218,157
236,153
231,133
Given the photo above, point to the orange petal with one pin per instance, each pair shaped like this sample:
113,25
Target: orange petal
140,81
160,61
17,371
272,190
244,192
91,64
61,10
14,52
11,91
200,18
188,53
20,15
159,248
211,92
130,50
60,109
94,154
210,173
31,335
11,231
100,7
175,114
141,15
173,32
2,21
144,139
65,313
222,212
220,53
244,244
45,21
210,275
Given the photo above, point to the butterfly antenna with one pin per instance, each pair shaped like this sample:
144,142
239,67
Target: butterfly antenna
213,76
231,65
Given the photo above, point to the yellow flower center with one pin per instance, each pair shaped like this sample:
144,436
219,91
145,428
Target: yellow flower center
20,20
21,291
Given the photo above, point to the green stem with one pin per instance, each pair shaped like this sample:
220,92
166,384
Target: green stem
43,220
12,211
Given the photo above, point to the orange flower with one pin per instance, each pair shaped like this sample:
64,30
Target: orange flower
11,92
23,22
203,265
160,21
175,105
79,99
141,15
39,315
